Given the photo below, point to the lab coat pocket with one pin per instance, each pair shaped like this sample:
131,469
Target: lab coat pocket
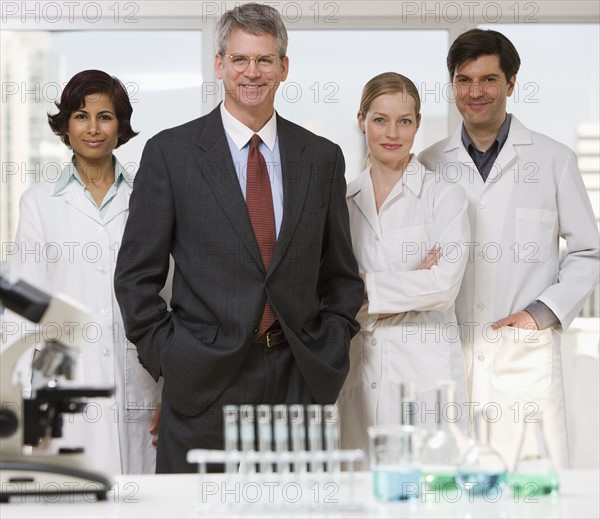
407,246
523,360
535,234
416,357
141,392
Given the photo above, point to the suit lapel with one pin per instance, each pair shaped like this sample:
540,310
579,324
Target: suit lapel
296,175
217,166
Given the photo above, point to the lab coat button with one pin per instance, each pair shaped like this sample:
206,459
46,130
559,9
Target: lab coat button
105,311
106,352
374,342
100,230
102,269
480,306
481,255
481,205
374,385
480,358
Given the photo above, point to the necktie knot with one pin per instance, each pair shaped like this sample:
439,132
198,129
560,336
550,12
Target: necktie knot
255,141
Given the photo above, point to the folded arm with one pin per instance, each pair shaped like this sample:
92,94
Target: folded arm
433,288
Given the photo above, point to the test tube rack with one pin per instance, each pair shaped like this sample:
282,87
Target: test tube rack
275,459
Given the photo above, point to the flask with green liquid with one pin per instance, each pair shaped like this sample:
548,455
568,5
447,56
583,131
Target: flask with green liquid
534,473
442,447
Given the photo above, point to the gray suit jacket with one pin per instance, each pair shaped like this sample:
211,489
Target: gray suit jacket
187,202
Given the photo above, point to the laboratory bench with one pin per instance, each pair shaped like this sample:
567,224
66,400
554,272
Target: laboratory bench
323,495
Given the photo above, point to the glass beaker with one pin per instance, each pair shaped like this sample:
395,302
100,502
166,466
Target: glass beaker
442,447
481,471
394,463
534,473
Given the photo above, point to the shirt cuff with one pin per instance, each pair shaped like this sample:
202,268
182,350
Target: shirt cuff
542,315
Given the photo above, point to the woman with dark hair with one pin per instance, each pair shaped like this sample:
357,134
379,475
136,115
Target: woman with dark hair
69,234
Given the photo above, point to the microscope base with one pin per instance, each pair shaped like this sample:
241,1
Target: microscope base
39,478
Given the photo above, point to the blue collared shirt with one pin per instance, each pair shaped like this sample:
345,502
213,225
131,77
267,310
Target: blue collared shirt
70,174
238,137
484,160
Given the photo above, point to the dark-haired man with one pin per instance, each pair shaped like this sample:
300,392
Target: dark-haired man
525,191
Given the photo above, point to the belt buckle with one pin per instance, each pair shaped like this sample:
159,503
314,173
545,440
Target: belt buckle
268,337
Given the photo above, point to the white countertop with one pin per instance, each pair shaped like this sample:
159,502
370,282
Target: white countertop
187,495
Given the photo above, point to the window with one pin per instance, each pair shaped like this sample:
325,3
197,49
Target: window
160,69
323,88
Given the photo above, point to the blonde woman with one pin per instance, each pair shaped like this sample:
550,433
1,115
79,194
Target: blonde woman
409,234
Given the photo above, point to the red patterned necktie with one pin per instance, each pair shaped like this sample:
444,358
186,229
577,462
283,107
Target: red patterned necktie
259,202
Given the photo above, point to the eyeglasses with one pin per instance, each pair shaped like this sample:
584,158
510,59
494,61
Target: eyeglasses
240,62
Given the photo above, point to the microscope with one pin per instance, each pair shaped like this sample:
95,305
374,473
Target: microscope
27,421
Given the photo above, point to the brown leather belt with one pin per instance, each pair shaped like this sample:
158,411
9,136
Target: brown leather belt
271,338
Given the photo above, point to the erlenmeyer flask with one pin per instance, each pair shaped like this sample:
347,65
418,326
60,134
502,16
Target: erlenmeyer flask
481,471
534,473
442,447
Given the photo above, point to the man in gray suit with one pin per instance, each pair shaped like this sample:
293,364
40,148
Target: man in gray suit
244,328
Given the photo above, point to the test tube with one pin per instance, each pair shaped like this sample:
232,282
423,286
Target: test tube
281,434
408,408
296,417
314,417
230,433
265,437
332,434
407,403
247,432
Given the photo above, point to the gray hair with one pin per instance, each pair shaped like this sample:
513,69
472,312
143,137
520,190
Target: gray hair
254,19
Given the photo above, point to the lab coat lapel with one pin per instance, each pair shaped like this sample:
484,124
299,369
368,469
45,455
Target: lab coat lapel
361,193
469,176
517,135
216,164
80,203
119,204
411,179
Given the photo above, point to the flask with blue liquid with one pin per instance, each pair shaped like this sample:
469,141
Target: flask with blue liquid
482,471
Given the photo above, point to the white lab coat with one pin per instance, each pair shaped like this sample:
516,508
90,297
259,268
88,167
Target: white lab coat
420,343
533,195
63,245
